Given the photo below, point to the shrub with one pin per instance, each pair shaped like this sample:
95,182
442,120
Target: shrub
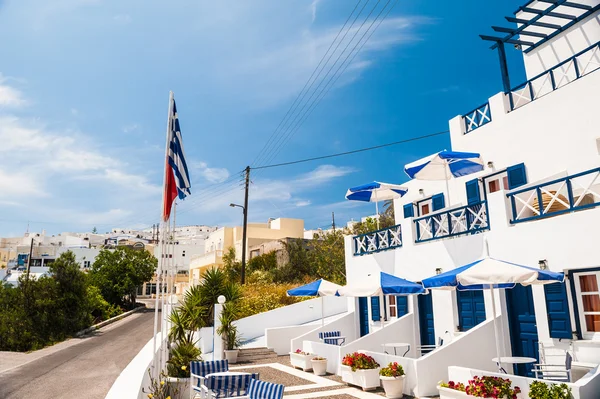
392,370
541,390
359,361
181,356
258,298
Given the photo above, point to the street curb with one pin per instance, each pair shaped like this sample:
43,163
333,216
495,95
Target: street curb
107,322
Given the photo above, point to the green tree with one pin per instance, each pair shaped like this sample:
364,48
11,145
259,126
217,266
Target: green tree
298,264
214,284
71,292
231,267
94,230
327,257
118,274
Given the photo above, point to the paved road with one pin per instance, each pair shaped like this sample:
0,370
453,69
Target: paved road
85,370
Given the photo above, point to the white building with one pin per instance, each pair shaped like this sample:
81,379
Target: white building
541,143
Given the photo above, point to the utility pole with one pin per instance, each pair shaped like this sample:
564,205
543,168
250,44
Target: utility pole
29,258
333,221
245,231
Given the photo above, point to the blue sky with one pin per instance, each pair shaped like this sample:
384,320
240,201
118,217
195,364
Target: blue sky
84,91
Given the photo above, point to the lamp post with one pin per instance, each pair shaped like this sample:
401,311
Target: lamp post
245,228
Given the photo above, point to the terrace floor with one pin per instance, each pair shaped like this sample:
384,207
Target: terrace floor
300,384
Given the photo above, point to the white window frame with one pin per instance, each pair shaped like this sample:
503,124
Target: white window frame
582,313
390,306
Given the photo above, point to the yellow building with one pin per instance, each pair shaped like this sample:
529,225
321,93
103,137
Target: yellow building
224,238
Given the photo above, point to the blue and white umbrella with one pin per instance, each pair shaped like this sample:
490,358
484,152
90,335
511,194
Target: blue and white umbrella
381,283
317,288
490,273
375,192
444,165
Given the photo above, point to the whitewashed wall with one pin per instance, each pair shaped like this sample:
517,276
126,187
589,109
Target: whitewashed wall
345,324
298,313
279,338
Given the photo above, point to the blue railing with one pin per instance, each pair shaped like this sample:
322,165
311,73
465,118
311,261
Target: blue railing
558,76
477,117
379,240
468,219
556,197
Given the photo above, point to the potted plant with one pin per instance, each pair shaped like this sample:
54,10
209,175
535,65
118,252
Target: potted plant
392,378
541,390
229,332
178,367
361,370
302,360
161,388
481,387
319,365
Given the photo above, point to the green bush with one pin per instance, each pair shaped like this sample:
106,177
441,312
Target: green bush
541,390
257,298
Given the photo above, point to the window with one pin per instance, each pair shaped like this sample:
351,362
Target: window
493,186
86,264
424,209
183,254
588,302
392,306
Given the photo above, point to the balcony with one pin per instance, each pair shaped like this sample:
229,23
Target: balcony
478,117
558,76
377,241
470,219
559,196
210,258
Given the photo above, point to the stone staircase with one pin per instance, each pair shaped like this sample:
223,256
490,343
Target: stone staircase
253,354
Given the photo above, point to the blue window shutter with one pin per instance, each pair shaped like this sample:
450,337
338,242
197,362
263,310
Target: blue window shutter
516,176
559,319
437,202
409,211
402,305
375,309
473,195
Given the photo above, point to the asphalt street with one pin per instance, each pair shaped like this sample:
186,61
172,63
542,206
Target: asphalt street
84,370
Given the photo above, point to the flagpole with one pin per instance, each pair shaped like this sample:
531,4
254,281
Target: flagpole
159,269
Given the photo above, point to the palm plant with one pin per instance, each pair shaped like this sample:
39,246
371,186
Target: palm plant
178,365
228,331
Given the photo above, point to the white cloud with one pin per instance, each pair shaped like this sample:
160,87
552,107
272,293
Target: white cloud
323,174
213,175
19,185
302,203
131,128
9,96
313,9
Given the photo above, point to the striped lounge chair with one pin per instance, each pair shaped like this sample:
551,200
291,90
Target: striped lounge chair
264,390
332,338
199,370
228,386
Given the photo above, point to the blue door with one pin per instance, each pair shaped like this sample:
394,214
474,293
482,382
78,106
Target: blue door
426,319
363,314
402,305
523,329
471,309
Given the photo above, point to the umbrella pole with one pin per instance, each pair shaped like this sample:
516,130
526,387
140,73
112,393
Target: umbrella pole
377,209
495,327
447,184
322,312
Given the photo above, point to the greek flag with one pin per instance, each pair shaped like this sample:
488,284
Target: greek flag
177,156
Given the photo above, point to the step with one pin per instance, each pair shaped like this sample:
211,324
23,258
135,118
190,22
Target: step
255,350
253,354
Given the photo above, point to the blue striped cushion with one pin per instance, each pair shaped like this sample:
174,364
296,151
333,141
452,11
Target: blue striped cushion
223,386
265,390
330,334
204,368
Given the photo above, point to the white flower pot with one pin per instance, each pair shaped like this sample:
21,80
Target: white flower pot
182,385
366,379
231,355
301,361
393,386
319,367
447,393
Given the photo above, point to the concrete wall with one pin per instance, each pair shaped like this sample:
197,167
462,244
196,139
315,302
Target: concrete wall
332,353
344,324
409,365
279,338
298,313
586,388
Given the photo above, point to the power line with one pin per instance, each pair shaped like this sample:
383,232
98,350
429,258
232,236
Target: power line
281,140
330,83
353,151
303,93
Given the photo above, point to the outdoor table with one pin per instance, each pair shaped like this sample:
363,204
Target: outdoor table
513,360
397,345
